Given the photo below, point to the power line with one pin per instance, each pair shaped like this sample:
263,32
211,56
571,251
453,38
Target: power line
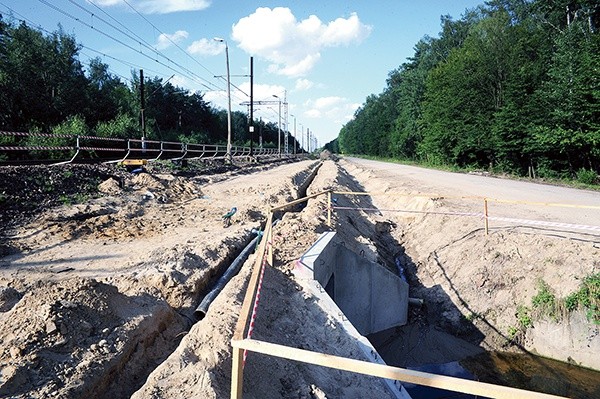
137,38
168,38
41,28
176,45
198,79
219,91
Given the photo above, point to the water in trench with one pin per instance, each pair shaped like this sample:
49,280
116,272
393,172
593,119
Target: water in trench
424,347
522,371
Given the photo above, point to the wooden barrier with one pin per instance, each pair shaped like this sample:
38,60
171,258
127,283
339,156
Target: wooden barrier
388,372
241,344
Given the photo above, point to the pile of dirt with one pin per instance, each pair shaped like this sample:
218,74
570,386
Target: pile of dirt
97,298
480,287
27,190
71,338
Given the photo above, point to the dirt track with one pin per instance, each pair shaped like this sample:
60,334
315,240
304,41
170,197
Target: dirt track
97,299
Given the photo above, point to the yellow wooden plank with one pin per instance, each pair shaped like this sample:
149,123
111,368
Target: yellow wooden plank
389,372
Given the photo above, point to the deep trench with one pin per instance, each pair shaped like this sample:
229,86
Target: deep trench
127,374
427,331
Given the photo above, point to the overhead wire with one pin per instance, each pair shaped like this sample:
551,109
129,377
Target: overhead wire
168,38
188,73
137,38
178,47
41,28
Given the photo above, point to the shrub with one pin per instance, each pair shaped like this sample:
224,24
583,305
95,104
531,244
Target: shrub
585,176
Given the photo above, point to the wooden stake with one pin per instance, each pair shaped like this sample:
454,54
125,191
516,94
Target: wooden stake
237,373
485,210
329,209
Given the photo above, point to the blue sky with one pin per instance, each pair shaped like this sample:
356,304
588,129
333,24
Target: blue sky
326,57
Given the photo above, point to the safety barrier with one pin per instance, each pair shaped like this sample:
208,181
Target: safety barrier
485,215
242,341
151,150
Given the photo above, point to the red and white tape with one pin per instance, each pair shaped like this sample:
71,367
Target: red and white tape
256,299
482,216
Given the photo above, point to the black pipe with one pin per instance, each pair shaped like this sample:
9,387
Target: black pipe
231,271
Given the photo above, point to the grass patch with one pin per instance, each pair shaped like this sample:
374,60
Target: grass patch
587,297
544,302
524,317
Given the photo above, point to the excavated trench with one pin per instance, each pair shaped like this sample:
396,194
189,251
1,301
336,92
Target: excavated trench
159,335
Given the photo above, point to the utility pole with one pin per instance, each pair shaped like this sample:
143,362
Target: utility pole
228,155
251,127
142,106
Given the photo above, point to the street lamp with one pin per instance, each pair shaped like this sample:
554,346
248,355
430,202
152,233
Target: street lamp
279,127
228,156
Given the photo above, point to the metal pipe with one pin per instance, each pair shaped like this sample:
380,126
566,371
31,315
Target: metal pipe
231,271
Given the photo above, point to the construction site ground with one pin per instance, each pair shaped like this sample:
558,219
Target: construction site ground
101,271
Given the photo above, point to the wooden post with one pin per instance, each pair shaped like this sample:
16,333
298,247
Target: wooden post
329,209
237,373
270,246
485,210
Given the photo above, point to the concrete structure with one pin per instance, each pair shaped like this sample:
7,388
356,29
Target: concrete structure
321,260
371,297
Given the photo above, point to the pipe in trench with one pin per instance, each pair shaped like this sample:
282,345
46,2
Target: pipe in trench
231,271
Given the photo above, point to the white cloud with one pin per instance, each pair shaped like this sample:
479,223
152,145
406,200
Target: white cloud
263,92
313,113
327,102
294,47
158,6
166,40
333,108
206,47
304,84
179,81
105,3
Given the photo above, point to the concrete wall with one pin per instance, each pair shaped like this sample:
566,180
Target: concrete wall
371,297
324,254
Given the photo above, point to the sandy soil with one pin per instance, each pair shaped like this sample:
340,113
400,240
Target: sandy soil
474,283
97,299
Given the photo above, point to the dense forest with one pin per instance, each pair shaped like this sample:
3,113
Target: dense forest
512,86
44,87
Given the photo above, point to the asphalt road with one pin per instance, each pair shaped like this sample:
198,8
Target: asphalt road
460,184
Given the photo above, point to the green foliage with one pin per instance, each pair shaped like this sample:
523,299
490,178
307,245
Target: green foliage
123,126
585,176
508,87
512,332
44,87
524,317
194,138
544,302
64,136
587,297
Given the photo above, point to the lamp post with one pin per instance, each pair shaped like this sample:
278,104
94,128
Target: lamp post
279,127
228,155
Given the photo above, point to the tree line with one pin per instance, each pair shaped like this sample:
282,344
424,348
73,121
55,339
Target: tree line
512,86
45,88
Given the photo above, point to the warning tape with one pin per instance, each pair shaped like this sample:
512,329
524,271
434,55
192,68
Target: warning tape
257,297
479,198
476,214
549,224
59,136
102,149
543,203
36,148
482,216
